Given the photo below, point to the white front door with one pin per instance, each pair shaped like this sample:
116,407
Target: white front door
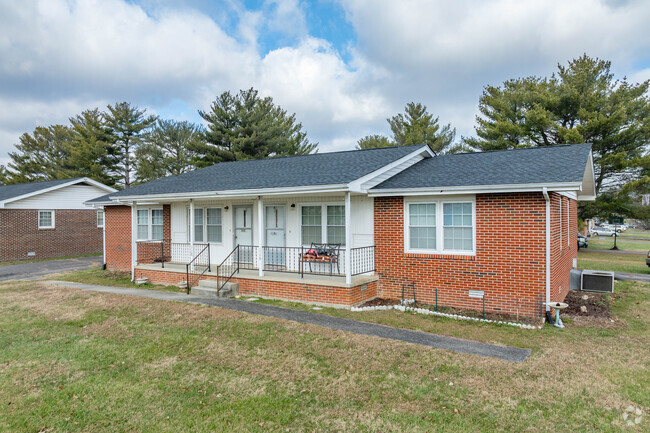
275,225
244,232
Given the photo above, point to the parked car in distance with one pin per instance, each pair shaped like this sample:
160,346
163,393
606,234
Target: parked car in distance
602,231
582,241
647,259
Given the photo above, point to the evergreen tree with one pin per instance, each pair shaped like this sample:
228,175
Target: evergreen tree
246,126
42,155
582,103
128,127
373,141
92,154
418,126
415,126
167,151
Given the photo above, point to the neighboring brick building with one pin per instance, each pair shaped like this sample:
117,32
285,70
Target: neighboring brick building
457,230
49,219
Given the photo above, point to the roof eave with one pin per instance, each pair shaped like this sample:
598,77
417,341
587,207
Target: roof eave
244,193
54,188
475,189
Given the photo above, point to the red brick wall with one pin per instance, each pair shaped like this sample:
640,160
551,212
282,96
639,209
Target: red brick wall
75,232
564,247
509,265
118,238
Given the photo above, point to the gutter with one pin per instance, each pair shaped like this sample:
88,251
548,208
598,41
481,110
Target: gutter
548,248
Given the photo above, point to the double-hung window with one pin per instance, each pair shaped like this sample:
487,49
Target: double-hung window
422,226
207,225
439,226
150,224
45,219
316,229
100,218
458,227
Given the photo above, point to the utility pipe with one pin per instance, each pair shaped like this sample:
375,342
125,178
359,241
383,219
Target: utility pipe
134,235
548,248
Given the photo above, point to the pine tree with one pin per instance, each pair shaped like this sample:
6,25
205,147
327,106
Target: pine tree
246,126
128,127
167,151
42,155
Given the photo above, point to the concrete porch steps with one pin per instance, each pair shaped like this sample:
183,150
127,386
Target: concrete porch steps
209,288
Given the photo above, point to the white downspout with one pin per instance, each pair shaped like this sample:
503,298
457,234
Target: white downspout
260,236
548,248
104,236
134,235
348,239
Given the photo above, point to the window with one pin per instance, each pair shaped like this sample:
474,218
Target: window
311,225
314,230
143,224
156,224
422,226
439,226
100,218
458,227
149,224
207,225
336,225
213,224
45,219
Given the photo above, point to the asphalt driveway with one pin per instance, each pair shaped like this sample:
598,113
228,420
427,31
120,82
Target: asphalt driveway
36,270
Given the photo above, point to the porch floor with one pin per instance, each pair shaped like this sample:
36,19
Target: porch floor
289,277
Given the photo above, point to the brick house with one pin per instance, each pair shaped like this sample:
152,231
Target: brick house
50,219
344,227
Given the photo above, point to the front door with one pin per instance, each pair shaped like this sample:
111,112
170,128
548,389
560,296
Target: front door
275,224
244,232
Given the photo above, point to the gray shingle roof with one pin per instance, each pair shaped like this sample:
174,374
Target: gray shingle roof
11,191
296,171
550,164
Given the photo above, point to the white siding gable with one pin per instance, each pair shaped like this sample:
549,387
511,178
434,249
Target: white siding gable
69,197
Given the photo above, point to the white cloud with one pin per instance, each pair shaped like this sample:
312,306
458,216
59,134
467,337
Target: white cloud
62,56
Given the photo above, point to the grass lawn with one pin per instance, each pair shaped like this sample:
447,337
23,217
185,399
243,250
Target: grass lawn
77,361
601,261
20,262
636,233
605,243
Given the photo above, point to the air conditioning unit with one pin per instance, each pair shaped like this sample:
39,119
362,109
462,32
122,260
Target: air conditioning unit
597,281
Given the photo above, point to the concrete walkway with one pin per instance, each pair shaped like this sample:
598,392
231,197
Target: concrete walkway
35,270
506,353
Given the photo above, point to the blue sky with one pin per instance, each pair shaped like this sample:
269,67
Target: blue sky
342,66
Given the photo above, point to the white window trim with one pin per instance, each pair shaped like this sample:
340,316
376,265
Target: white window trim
103,218
39,219
561,228
204,208
323,221
149,222
439,202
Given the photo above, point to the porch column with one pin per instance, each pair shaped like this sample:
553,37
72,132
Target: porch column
190,235
134,235
260,236
348,239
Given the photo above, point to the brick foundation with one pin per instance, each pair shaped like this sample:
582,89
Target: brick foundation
317,293
75,233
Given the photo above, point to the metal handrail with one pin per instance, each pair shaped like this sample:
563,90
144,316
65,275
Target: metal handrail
223,263
188,265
